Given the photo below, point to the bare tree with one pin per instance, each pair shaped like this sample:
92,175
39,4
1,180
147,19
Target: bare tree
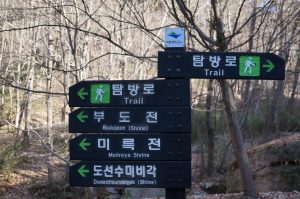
295,80
220,43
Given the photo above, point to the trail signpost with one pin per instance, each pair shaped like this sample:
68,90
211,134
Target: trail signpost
220,65
149,121
143,134
130,120
130,93
126,147
163,174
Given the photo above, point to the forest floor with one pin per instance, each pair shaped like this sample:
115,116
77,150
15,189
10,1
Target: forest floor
25,177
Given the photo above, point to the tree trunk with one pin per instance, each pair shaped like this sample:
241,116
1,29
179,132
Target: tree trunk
49,108
18,102
295,81
27,104
64,65
18,118
278,96
236,139
210,130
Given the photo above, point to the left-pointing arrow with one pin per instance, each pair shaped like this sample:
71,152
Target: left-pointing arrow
81,116
83,144
82,93
83,171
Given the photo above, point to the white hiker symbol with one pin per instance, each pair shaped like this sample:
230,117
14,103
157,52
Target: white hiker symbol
248,65
99,93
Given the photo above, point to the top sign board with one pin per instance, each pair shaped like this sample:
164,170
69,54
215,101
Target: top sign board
130,93
174,38
221,65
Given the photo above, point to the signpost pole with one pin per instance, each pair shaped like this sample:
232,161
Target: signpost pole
175,193
175,41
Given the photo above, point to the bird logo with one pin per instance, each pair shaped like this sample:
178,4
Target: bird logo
174,35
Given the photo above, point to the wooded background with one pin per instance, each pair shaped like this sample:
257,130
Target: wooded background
47,46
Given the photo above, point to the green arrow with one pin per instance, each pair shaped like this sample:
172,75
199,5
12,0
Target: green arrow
82,171
83,144
270,66
81,116
81,93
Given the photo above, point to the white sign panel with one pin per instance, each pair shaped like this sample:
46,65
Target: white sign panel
174,38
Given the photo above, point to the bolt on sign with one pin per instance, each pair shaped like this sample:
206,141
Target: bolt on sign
156,174
112,147
130,120
221,65
130,93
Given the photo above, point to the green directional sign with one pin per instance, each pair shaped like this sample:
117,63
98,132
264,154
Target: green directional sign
220,65
82,117
131,146
131,120
84,144
270,66
82,93
129,93
83,171
147,174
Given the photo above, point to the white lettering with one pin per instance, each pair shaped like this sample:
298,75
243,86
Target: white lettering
147,182
119,155
138,128
198,60
113,127
114,182
141,155
214,73
139,100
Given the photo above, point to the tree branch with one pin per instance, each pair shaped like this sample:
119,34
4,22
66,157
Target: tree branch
41,141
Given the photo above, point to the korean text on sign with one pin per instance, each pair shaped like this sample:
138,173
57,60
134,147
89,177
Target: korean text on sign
133,89
111,171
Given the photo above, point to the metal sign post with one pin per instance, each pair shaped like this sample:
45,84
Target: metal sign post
130,120
155,174
220,65
129,147
172,193
143,131
217,65
143,134
174,42
130,93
